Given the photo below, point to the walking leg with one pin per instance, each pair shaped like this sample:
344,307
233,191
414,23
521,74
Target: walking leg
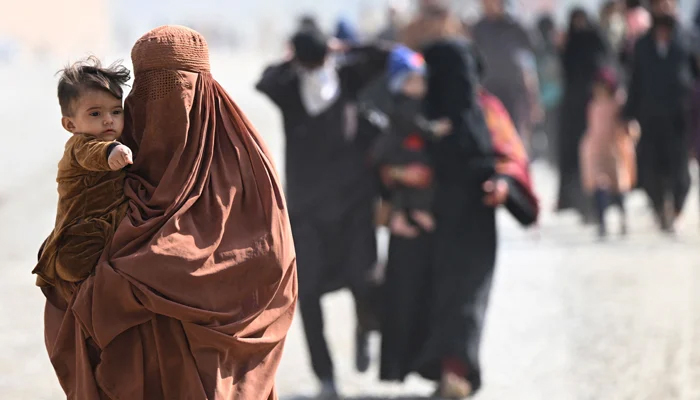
310,267
602,199
312,319
365,322
655,190
619,200
681,187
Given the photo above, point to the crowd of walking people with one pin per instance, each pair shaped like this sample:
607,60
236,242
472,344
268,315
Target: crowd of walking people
428,127
646,63
426,130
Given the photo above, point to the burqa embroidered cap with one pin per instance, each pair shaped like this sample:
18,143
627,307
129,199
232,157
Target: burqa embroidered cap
171,47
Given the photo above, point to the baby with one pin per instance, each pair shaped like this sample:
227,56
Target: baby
401,154
90,179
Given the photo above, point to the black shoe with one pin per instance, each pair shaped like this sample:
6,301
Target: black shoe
667,224
362,358
328,391
668,217
602,232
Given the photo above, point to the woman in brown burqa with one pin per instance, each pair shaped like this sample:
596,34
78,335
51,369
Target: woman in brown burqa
195,294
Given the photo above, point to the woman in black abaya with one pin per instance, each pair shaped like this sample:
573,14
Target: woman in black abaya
584,52
443,310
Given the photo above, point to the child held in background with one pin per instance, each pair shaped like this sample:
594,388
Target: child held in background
607,150
401,153
406,171
90,179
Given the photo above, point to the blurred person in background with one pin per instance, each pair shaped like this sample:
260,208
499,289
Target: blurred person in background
612,24
308,22
549,74
584,52
664,70
511,67
401,155
435,20
608,165
394,20
330,187
478,167
345,31
376,96
346,35
637,23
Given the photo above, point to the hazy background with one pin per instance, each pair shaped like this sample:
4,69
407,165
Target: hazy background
583,312
37,37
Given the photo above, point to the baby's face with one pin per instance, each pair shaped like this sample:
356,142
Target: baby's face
414,86
96,113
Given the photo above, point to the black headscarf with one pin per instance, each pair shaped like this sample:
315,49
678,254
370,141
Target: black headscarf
578,12
310,46
308,22
585,49
546,27
453,80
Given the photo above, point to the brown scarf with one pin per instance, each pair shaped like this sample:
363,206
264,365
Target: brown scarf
194,297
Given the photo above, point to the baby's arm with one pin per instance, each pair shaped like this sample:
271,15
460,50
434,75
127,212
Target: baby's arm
433,130
119,157
96,155
429,130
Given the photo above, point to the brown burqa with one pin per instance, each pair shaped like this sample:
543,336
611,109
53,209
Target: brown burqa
195,294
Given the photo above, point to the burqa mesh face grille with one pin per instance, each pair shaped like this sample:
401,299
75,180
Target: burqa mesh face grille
156,84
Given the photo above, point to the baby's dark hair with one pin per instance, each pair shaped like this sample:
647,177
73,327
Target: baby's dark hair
88,74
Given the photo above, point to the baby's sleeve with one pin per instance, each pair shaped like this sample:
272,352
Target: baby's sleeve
92,154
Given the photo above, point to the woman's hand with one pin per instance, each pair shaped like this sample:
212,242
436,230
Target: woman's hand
400,226
496,192
336,45
634,130
388,176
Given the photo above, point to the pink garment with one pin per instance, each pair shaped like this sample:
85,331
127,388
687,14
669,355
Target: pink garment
606,151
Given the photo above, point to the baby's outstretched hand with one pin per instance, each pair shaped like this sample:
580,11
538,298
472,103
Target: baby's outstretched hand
120,157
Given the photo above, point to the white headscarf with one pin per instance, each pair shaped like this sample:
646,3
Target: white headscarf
320,88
